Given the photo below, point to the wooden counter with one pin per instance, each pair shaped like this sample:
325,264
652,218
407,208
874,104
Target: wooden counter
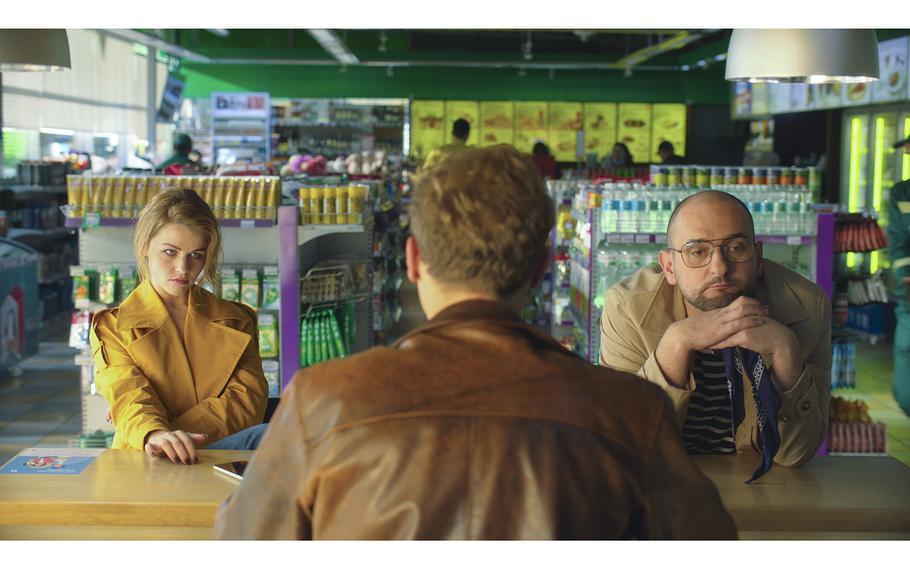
126,495
830,497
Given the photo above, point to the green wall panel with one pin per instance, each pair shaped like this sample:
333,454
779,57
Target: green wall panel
282,81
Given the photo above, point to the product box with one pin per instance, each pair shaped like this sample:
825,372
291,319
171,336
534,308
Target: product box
230,284
250,288
107,285
268,336
271,369
271,288
127,282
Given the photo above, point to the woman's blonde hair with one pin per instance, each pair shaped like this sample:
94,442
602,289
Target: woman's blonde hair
482,218
182,207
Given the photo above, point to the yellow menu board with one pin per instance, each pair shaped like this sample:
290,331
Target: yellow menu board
634,130
427,126
468,110
565,122
669,123
496,122
600,128
530,125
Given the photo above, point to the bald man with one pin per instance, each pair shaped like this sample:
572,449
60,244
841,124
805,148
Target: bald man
713,291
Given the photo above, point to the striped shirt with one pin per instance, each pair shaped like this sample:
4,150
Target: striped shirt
708,428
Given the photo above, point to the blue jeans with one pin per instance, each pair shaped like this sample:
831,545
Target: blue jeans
244,440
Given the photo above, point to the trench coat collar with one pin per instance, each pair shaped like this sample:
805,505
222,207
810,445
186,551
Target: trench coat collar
144,308
666,305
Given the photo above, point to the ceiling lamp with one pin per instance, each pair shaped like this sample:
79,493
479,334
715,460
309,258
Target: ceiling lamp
34,50
803,56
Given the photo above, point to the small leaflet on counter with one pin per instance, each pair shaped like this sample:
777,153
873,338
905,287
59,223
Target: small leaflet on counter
51,461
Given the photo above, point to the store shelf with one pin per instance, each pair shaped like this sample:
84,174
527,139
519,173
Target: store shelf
307,233
40,189
661,238
75,222
15,232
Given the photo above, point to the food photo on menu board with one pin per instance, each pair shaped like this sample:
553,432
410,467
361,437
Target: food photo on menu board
634,129
530,124
565,122
496,122
427,126
669,124
599,127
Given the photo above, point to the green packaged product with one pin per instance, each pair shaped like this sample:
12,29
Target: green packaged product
349,320
310,340
304,326
230,285
126,283
249,288
107,285
337,340
81,285
268,336
271,368
271,285
322,342
327,330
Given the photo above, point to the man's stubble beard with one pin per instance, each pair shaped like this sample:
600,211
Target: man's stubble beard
722,300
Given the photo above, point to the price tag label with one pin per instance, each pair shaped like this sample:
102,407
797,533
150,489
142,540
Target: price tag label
247,223
794,240
642,239
627,238
91,220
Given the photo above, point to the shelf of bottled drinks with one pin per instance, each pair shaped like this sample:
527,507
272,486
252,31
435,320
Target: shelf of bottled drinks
605,232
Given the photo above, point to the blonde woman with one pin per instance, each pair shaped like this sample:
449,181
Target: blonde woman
179,367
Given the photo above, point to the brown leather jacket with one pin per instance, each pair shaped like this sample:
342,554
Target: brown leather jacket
475,426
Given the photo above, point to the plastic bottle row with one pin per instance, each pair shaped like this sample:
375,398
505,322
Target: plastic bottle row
615,262
327,334
124,196
639,208
713,176
843,365
328,205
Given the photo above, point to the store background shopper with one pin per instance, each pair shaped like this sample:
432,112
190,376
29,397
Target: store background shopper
179,367
544,161
461,131
475,425
619,157
899,252
668,154
183,147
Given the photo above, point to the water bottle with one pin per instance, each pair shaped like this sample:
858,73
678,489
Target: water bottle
609,215
794,218
624,221
666,209
850,379
807,212
836,365
654,211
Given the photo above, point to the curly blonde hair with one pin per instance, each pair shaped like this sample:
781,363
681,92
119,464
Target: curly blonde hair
182,207
482,218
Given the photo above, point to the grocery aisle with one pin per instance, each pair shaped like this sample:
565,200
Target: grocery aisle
40,407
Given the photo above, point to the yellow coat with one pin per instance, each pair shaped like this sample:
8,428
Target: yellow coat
214,386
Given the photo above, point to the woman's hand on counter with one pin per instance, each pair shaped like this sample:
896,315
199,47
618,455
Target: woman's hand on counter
178,446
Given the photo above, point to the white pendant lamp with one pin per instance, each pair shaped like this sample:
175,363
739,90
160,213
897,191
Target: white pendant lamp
803,56
34,50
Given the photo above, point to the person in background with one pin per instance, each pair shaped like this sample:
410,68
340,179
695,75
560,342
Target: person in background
544,161
461,131
178,366
475,425
183,146
667,154
693,324
620,157
899,252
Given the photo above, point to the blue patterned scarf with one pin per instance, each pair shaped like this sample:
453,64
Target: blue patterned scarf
767,402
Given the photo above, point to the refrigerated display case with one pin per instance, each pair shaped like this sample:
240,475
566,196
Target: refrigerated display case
870,168
241,127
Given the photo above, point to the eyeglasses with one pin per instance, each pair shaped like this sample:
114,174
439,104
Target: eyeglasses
696,254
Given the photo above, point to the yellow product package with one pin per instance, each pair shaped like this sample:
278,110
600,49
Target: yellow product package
341,205
275,196
88,196
229,205
316,205
116,196
303,205
260,190
357,195
129,196
140,195
205,190
249,210
74,195
328,204
241,188
218,196
98,187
